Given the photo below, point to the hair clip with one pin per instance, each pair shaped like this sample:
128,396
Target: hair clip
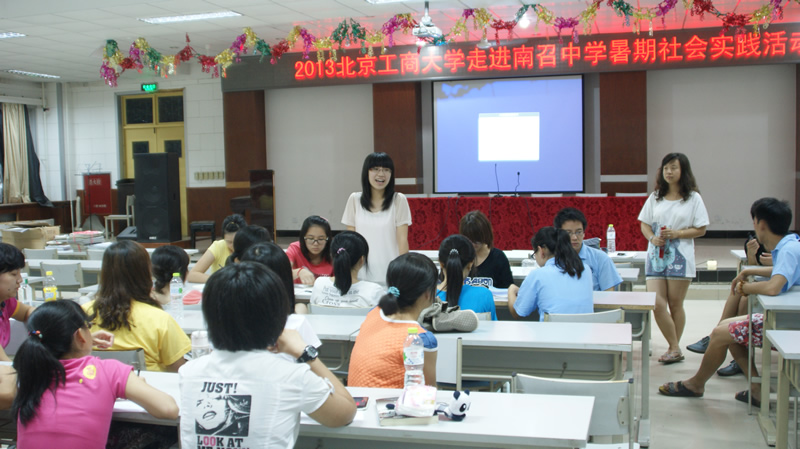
394,292
341,250
35,333
453,251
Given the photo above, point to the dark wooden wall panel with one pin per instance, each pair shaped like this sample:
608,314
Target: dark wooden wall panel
244,121
211,203
397,122
624,187
60,213
623,123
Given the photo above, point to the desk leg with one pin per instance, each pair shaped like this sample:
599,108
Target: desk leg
782,418
644,422
764,420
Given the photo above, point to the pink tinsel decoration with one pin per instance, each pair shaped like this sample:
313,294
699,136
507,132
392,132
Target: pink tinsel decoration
392,25
109,74
777,9
238,47
468,13
665,7
136,56
562,23
308,41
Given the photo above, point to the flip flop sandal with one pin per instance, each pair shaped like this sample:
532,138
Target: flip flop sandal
677,389
671,357
744,395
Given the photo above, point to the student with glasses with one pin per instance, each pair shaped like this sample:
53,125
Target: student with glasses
604,273
380,214
311,254
349,251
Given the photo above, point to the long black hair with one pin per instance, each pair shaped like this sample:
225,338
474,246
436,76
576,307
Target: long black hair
316,220
558,243
687,183
409,276
50,328
376,160
347,248
167,260
274,258
455,253
245,238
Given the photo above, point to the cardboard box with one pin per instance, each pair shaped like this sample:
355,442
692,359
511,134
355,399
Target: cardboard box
30,234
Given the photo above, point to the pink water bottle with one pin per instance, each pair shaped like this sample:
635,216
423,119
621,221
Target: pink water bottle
661,248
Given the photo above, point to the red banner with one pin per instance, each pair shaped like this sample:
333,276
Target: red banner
97,193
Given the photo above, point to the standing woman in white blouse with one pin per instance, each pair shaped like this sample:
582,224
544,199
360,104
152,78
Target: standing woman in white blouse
672,217
380,214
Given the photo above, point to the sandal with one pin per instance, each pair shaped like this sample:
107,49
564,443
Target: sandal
677,389
744,395
671,357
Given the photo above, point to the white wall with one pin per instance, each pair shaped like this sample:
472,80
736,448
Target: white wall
736,125
317,139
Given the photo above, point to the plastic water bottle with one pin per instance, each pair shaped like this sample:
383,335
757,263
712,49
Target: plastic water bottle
26,293
611,239
50,288
176,296
413,358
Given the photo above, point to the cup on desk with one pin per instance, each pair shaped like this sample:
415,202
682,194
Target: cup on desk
200,344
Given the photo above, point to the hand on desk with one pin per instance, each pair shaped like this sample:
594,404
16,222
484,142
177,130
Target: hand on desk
102,339
290,342
306,276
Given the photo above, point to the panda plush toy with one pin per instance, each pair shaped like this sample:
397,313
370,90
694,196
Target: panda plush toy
456,409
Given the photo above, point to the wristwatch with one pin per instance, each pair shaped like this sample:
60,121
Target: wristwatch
309,354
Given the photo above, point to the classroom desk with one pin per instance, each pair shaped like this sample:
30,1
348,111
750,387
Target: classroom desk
494,419
515,256
781,312
628,275
788,345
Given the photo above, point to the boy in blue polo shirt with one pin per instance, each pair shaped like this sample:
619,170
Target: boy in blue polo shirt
771,220
604,273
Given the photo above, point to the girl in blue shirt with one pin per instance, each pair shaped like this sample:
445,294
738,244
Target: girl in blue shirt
457,257
563,284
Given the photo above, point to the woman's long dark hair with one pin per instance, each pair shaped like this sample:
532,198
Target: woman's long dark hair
412,274
125,277
274,258
558,243
376,160
316,220
51,328
455,253
167,260
245,238
347,248
687,182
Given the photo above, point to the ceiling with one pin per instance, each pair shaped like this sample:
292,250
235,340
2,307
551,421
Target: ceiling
65,37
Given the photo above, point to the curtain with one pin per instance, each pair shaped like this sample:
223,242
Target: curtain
15,167
34,180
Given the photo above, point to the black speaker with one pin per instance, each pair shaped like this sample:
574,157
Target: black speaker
158,198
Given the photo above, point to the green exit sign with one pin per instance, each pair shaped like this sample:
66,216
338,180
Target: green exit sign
149,87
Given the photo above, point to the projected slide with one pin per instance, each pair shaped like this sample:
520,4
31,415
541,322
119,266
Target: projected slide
527,131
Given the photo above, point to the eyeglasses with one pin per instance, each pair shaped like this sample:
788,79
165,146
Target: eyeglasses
313,241
380,170
578,233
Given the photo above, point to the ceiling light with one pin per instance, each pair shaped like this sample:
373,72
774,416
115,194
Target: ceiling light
524,22
426,28
37,75
191,17
378,2
9,34
484,44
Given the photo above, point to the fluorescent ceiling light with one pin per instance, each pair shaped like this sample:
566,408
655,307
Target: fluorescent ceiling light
37,75
191,17
378,2
9,34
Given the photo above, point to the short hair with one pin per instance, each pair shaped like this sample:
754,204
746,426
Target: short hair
167,260
247,237
775,212
412,274
273,257
232,223
475,226
371,161
11,258
245,307
316,220
569,214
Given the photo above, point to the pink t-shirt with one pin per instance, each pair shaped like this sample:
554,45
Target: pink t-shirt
298,260
79,415
8,308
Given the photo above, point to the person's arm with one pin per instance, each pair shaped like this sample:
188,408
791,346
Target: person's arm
102,339
305,275
198,274
8,386
22,313
402,239
174,367
340,408
429,368
770,287
647,232
513,290
686,233
154,401
351,228
3,356
750,250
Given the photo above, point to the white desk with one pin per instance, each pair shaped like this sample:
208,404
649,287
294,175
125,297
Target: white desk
788,345
636,257
494,419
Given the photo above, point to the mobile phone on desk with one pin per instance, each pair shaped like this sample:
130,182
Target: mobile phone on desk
361,402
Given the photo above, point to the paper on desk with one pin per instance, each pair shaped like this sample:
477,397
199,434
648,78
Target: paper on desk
124,405
499,292
305,419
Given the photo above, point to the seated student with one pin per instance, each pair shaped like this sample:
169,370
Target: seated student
377,357
247,237
167,260
216,256
66,395
604,273
771,220
124,307
491,265
246,389
11,262
563,284
457,258
349,251
273,257
311,255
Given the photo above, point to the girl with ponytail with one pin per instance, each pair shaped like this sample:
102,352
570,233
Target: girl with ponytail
376,360
457,259
65,395
563,284
349,251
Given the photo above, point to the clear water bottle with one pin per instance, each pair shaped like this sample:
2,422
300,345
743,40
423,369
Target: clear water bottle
528,262
611,239
50,288
413,358
176,296
26,293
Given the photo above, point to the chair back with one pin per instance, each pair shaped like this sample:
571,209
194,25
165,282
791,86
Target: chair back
129,201
607,316
95,254
133,357
613,400
46,254
317,309
67,275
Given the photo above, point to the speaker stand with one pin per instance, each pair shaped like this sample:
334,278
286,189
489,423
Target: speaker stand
92,223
